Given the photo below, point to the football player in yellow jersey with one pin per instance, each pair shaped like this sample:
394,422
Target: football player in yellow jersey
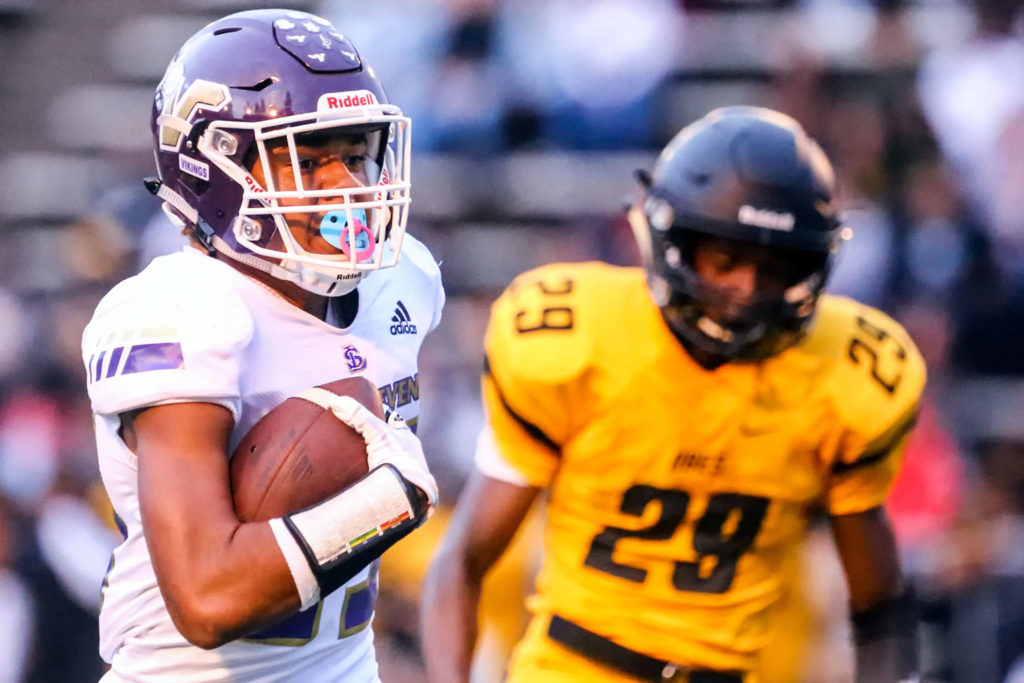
686,420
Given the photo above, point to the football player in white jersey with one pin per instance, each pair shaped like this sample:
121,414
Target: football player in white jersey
281,158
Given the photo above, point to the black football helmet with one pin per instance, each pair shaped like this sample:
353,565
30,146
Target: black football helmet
743,175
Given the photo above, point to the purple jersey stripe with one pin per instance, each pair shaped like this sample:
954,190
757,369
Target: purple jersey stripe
359,607
301,626
115,357
148,357
99,365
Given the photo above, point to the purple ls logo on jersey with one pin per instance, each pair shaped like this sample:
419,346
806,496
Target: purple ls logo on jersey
353,359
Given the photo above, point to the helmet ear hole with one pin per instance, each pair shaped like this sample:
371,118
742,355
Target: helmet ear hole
197,185
249,157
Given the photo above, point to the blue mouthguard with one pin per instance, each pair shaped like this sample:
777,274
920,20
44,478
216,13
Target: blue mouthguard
335,224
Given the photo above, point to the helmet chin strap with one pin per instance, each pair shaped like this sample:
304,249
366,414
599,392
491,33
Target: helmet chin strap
307,278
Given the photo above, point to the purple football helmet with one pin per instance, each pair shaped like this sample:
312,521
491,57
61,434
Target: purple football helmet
266,79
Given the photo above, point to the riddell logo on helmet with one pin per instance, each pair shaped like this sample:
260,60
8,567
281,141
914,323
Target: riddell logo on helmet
253,186
764,218
346,100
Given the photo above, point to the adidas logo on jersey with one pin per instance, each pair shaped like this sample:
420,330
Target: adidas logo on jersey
403,323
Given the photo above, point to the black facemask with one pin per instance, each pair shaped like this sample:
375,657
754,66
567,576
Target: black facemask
716,325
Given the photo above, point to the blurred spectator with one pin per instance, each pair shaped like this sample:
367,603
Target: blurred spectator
65,545
855,137
588,68
925,499
970,96
29,431
17,608
989,335
466,95
937,241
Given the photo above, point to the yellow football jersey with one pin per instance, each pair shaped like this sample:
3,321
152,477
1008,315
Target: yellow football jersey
676,492
502,617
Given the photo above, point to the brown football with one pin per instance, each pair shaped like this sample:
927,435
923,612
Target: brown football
299,454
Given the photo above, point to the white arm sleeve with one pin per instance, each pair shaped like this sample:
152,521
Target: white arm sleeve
302,575
439,302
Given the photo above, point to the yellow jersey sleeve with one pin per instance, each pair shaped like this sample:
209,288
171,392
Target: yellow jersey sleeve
537,349
876,382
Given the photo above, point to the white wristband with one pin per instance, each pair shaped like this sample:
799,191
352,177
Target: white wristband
302,575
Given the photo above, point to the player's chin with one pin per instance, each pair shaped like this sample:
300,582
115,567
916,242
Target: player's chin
307,233
316,244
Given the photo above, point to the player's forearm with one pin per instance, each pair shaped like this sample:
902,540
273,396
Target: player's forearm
883,608
888,660
451,598
227,584
886,641
220,579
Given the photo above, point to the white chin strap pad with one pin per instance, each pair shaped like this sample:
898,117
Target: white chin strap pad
306,277
322,283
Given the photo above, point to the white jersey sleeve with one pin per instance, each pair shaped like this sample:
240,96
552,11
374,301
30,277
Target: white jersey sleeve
151,342
417,253
438,305
439,300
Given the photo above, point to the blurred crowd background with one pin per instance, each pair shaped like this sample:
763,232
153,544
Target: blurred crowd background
529,119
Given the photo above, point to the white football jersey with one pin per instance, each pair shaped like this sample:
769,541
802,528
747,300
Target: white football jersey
191,328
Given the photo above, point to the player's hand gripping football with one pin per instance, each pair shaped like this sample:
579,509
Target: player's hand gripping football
389,442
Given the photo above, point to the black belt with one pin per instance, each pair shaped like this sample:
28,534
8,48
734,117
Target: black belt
636,664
